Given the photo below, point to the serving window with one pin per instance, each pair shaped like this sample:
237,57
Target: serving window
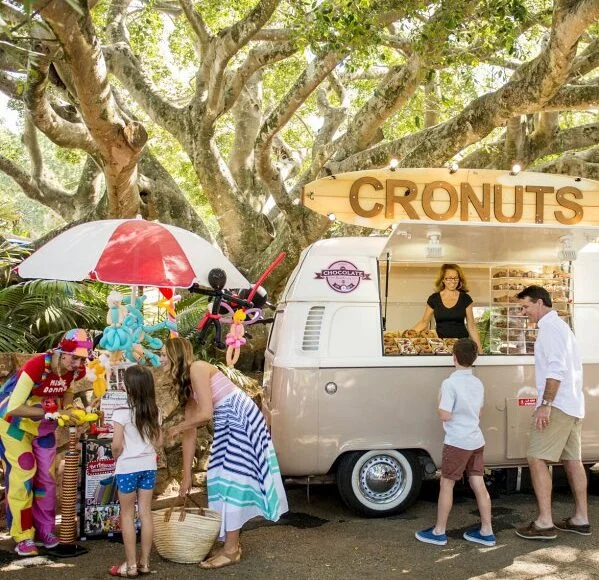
502,327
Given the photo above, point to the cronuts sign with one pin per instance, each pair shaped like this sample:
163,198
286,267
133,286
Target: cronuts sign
404,193
380,198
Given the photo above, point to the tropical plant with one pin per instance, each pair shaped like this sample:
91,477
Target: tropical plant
34,314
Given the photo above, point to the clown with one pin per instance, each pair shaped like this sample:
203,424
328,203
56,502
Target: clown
31,401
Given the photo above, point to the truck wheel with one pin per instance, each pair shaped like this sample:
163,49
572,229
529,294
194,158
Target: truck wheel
379,483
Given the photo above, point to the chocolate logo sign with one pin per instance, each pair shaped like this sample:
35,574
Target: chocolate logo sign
342,276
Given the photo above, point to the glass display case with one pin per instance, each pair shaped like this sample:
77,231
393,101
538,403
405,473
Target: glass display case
510,332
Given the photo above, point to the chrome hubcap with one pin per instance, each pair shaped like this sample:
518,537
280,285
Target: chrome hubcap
382,479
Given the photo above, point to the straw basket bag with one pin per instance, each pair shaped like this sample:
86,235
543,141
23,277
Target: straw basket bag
188,538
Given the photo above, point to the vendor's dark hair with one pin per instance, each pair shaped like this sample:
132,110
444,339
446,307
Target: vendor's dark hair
536,293
180,355
465,351
141,397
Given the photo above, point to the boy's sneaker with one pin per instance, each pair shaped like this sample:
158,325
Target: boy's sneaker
476,537
26,548
428,537
48,540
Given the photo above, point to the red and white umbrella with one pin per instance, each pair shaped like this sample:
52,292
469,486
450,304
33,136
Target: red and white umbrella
131,252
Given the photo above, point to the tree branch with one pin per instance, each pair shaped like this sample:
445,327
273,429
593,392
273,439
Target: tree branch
33,147
238,35
531,87
197,23
401,82
123,64
119,139
8,86
273,35
586,62
39,190
257,58
312,76
59,131
571,165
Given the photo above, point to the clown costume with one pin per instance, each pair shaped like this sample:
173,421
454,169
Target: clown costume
28,401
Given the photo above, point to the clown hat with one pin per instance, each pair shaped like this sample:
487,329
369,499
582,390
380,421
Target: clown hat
76,342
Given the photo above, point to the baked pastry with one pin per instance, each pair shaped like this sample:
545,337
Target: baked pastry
410,333
500,274
449,342
429,334
442,350
408,349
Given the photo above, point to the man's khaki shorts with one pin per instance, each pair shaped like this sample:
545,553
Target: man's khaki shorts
559,441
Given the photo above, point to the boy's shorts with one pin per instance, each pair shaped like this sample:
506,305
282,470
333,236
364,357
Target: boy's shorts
560,440
130,482
456,462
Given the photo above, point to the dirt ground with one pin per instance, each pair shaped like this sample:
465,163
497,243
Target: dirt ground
321,539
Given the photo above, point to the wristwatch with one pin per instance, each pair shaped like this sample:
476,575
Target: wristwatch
546,403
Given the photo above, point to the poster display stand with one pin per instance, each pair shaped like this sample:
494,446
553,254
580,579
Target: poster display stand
99,506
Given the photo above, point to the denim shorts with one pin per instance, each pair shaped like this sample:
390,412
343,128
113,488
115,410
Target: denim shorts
130,482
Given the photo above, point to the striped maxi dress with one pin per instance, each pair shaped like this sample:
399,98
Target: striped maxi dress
244,480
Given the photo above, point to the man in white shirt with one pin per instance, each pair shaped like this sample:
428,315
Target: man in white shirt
557,419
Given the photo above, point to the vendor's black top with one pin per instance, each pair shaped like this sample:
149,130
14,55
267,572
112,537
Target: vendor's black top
450,321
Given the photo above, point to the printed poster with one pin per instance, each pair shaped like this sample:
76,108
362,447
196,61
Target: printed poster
100,501
115,395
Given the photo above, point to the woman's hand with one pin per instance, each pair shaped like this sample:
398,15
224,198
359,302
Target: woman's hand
185,487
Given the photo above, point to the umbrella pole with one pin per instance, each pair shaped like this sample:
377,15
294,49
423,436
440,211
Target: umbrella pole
68,546
134,293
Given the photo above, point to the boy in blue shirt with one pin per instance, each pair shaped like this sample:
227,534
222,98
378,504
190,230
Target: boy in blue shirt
462,398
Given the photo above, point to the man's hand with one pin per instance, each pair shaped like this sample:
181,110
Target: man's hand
542,417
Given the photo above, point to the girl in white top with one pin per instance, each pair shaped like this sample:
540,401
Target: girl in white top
137,435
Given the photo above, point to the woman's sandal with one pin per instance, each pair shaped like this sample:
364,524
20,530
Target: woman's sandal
143,568
123,571
221,560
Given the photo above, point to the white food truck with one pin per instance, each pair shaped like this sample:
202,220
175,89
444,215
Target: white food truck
345,393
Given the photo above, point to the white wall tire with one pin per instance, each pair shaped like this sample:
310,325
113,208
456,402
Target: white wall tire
379,483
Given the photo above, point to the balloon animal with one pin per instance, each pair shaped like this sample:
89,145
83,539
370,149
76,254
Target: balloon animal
142,340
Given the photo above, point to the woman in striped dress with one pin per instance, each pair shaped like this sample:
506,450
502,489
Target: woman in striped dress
244,480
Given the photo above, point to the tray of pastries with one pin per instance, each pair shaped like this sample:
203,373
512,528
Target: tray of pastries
410,342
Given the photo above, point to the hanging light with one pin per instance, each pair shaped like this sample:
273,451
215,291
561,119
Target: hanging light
332,216
453,168
393,164
516,168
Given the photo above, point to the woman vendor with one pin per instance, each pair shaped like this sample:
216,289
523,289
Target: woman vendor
451,305
29,400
